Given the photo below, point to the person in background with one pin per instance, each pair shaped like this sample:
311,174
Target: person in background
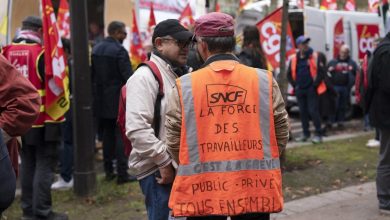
149,159
361,87
207,133
305,73
65,180
378,106
252,54
342,71
40,144
19,108
95,34
111,68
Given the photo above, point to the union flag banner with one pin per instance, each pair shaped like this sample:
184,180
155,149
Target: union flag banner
137,53
217,7
152,19
300,4
186,18
366,35
242,4
63,19
270,29
328,5
339,37
373,6
350,5
56,79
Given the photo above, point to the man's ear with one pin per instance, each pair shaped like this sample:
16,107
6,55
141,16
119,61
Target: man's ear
158,43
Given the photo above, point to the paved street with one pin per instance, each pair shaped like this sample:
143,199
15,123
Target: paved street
351,203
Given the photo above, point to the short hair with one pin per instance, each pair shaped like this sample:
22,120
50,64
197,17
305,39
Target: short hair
115,26
220,44
345,47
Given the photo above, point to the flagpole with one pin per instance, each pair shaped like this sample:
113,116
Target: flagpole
283,83
84,143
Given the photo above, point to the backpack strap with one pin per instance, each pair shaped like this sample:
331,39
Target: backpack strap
157,107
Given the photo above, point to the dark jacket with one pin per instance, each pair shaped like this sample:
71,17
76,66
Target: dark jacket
19,106
252,58
320,71
378,93
111,68
342,72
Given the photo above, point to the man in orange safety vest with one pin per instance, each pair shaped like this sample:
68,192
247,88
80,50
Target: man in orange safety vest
226,127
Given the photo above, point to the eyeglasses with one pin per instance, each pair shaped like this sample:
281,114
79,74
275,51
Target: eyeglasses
179,43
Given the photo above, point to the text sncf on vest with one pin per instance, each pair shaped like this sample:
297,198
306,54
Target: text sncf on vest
228,98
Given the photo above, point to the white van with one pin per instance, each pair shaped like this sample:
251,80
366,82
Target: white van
319,26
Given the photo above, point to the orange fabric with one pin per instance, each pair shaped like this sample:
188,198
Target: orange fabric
226,106
313,71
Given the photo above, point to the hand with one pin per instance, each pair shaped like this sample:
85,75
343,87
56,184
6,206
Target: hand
167,175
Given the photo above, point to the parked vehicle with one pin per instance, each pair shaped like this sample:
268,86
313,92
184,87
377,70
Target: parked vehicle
319,25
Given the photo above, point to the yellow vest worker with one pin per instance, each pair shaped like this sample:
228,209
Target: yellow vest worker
229,158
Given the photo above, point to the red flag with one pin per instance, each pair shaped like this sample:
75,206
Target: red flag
242,5
152,19
137,52
56,79
350,5
186,18
217,7
366,34
373,6
63,19
301,4
328,5
339,38
270,29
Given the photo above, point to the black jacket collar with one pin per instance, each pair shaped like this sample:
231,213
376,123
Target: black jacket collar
219,57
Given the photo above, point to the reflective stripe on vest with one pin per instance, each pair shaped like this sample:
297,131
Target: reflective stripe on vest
191,128
246,167
191,134
313,70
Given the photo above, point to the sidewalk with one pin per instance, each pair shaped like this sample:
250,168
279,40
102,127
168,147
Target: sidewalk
351,203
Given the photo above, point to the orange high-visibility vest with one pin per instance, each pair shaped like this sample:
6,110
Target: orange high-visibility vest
229,158
313,70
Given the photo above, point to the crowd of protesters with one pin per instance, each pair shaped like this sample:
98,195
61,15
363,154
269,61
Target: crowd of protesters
179,114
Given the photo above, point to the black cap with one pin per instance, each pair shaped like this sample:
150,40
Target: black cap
173,28
32,21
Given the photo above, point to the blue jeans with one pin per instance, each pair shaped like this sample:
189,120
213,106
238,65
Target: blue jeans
7,178
156,197
341,104
308,108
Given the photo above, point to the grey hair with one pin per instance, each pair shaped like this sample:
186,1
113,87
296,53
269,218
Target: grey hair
220,44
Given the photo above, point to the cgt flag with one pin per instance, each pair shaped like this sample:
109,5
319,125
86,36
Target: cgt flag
56,79
63,19
152,19
186,18
373,6
270,29
350,5
137,53
328,5
339,38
